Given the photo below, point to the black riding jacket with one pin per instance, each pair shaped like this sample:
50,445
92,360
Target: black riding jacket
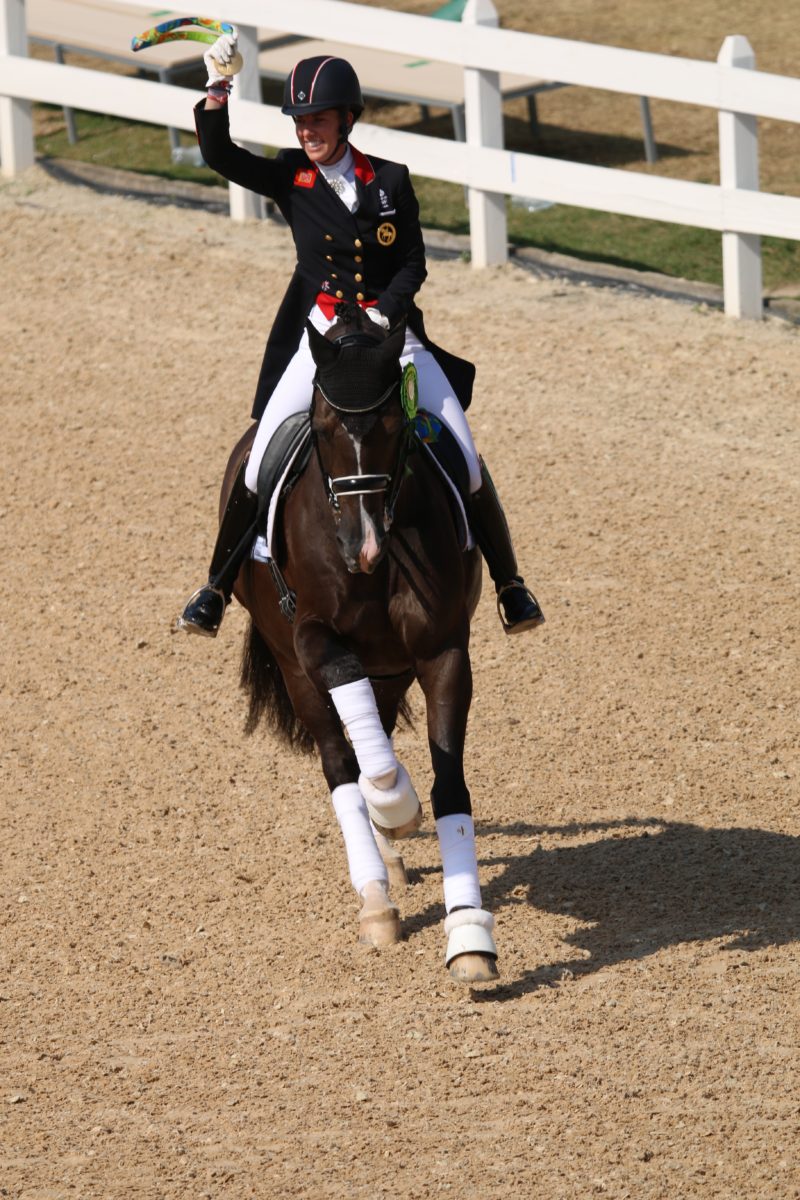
376,253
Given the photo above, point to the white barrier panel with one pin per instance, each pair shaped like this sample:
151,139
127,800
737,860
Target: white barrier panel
736,209
16,121
608,189
637,72
483,107
738,169
245,204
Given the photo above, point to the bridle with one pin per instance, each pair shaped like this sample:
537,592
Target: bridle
342,487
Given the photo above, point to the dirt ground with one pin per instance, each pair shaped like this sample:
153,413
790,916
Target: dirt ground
184,1010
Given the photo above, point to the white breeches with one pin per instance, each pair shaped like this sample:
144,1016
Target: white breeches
293,395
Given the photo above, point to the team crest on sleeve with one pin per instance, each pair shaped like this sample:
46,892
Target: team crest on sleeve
386,233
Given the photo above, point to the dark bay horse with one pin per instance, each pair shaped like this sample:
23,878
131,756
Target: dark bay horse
384,595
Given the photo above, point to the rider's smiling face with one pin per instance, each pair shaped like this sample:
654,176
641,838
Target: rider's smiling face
318,134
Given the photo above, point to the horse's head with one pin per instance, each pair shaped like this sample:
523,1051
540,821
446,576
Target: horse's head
360,430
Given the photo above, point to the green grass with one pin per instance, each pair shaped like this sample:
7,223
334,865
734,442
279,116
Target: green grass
112,142
675,250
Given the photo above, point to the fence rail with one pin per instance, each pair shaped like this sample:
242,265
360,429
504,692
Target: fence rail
735,208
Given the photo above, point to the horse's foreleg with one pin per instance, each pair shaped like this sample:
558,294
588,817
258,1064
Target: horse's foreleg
391,800
379,919
446,681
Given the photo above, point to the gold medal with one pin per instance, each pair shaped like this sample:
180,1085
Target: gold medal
386,233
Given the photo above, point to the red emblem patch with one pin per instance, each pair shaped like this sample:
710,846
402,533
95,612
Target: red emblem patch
304,178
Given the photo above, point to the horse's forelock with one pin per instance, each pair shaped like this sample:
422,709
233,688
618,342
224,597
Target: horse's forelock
351,318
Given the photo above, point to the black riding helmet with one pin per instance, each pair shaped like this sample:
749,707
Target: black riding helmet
319,83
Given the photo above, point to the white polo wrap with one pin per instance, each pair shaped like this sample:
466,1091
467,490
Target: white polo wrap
456,834
358,712
363,856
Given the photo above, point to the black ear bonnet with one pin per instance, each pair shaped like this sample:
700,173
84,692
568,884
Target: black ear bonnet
357,371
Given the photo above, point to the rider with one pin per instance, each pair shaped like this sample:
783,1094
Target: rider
355,224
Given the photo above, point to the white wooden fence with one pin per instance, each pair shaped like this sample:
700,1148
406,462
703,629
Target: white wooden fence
735,208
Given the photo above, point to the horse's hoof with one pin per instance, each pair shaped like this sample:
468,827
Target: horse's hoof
471,953
473,968
380,929
379,919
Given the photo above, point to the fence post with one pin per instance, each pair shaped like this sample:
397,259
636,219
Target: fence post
483,105
738,168
244,204
16,118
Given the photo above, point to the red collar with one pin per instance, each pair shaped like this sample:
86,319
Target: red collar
363,167
365,172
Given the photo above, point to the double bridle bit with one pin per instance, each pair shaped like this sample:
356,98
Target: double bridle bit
370,485
356,485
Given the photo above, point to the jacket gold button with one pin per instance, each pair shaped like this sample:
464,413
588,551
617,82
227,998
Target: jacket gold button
339,295
358,243
359,258
328,237
329,257
358,278
359,295
334,276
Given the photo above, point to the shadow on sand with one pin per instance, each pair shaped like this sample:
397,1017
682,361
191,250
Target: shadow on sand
642,886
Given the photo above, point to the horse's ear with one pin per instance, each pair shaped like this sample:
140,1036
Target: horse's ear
392,347
322,351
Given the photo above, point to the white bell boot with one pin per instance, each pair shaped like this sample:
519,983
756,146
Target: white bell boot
471,954
392,803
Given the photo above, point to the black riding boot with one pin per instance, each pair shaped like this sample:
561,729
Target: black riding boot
206,608
517,607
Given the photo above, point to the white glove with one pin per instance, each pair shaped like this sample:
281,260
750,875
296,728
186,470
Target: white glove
220,53
378,317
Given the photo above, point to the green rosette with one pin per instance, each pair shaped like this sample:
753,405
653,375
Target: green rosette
409,397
